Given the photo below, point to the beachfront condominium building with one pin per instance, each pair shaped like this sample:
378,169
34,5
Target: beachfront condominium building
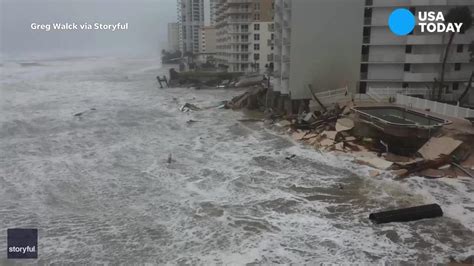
244,34
317,43
173,37
332,44
212,12
190,21
414,60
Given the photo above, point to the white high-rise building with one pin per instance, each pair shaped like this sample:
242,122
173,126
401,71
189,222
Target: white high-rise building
190,21
244,34
173,37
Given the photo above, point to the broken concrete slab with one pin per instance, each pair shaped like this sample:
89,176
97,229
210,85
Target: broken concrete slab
344,124
329,134
297,135
326,142
339,146
438,146
373,173
375,162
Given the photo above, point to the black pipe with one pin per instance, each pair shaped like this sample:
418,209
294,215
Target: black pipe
407,214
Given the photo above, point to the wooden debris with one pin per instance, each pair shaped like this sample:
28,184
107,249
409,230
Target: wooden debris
432,173
427,164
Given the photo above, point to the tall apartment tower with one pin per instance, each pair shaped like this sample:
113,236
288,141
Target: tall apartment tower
190,21
212,7
415,60
244,34
173,37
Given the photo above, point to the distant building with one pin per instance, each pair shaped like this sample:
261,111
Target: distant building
244,34
190,21
415,60
208,40
173,37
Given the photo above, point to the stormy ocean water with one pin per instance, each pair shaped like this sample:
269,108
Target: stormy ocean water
99,188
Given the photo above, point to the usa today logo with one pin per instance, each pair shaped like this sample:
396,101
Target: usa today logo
402,22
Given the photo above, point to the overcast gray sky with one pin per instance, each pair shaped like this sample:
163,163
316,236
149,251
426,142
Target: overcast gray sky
146,35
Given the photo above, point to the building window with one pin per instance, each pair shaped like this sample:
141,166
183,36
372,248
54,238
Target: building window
272,36
459,48
256,47
408,49
457,66
405,85
455,86
257,16
256,57
256,37
257,6
270,57
256,26
406,67
368,2
362,87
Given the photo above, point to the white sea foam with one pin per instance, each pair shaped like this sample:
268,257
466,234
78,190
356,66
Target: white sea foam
100,189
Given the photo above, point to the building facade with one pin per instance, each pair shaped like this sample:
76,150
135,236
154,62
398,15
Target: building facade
244,34
190,21
173,37
349,44
414,60
317,43
207,44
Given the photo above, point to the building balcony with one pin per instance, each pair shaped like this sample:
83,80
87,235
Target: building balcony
425,39
245,32
238,21
235,10
239,52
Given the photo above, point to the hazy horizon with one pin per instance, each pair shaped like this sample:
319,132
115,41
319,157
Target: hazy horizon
146,35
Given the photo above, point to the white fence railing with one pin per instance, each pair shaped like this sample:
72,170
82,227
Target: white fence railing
334,96
383,94
435,107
